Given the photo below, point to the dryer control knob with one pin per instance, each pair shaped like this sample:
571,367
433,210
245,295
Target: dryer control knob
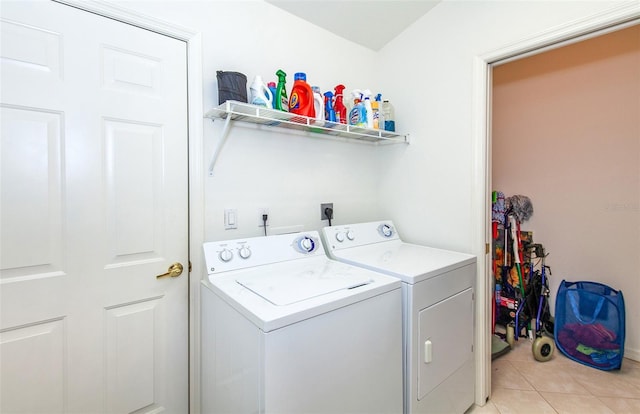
340,237
385,230
244,252
305,244
350,235
225,255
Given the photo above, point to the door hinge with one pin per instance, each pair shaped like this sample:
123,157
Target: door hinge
486,248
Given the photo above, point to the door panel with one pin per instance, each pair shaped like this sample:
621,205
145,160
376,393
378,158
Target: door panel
32,246
133,177
94,206
33,357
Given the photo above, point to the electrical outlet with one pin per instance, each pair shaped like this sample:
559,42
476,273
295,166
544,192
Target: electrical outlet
261,212
323,214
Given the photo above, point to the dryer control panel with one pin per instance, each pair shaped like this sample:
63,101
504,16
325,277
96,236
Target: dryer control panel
360,234
237,254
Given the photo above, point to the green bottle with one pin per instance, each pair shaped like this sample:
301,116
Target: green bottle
281,101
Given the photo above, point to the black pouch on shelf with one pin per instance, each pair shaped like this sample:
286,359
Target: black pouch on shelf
232,86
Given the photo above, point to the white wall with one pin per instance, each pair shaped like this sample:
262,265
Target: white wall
288,174
566,132
429,70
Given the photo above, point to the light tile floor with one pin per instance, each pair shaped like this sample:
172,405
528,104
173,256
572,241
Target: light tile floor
520,384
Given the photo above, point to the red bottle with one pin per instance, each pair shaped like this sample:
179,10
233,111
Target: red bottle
341,110
301,99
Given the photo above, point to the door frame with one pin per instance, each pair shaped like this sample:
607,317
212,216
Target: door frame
195,123
601,23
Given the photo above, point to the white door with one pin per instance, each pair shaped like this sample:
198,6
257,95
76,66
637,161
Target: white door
93,207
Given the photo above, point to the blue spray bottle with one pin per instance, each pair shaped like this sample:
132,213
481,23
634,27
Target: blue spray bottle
358,114
329,112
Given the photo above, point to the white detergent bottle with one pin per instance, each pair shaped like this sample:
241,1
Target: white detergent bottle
260,94
366,94
318,103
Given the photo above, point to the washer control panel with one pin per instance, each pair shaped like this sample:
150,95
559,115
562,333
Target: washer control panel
237,254
359,234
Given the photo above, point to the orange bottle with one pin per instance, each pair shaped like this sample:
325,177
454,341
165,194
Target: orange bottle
301,100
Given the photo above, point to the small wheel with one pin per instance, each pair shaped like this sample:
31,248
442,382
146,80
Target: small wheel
510,335
543,348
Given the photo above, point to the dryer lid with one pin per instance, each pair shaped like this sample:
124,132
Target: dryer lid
410,262
288,288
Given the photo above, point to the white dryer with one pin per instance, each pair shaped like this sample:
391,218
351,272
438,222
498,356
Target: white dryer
287,330
438,311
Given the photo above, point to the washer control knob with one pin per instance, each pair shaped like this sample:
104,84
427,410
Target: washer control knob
244,252
350,235
385,230
305,244
225,255
340,237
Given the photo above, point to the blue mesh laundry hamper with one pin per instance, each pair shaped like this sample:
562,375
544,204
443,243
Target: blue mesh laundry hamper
590,324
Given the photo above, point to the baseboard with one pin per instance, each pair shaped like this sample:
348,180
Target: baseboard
632,354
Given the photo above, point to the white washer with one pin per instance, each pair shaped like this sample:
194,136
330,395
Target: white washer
287,330
438,311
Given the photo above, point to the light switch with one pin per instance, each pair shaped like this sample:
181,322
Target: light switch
230,218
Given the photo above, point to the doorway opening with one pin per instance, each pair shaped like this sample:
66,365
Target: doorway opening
594,26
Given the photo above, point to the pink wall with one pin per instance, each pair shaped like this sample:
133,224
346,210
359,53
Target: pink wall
566,133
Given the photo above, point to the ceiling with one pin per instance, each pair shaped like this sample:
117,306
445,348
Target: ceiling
370,23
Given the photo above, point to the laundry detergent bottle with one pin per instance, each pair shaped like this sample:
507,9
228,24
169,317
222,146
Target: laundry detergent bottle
388,114
301,101
260,93
281,100
338,106
272,87
318,103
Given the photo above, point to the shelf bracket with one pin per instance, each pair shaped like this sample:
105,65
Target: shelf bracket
223,139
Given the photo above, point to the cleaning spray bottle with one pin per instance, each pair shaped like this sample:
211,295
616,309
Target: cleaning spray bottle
358,114
366,95
281,100
272,87
338,106
318,103
260,93
375,107
329,112
301,101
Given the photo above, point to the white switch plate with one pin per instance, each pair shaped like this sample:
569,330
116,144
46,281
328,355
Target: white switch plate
230,218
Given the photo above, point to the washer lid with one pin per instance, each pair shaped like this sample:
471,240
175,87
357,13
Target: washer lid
313,286
288,288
